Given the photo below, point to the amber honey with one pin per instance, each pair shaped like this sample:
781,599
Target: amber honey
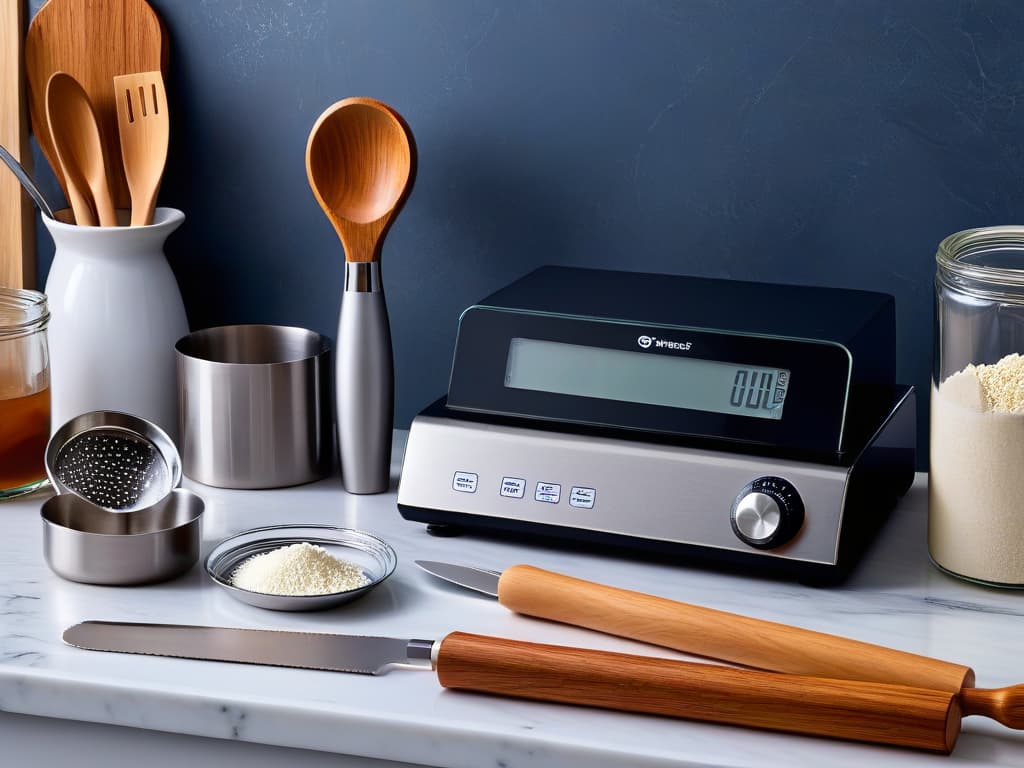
24,431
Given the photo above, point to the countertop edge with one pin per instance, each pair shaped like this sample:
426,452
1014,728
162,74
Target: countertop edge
28,691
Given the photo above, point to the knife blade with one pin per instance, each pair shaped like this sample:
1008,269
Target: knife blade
477,579
846,709
702,631
304,650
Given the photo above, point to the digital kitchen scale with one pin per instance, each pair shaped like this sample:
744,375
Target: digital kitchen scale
743,423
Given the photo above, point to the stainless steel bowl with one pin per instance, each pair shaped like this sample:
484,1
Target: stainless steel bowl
255,406
374,556
87,543
115,460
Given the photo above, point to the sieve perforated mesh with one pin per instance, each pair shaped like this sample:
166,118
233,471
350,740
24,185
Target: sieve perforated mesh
114,468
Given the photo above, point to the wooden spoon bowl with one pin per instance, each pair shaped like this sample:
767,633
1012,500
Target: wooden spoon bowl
361,164
76,139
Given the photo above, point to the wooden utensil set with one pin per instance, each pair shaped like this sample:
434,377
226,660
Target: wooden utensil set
84,162
95,83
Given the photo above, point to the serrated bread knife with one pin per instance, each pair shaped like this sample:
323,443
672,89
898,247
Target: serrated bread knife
846,709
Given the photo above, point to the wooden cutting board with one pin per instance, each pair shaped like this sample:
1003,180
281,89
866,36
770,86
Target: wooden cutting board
93,41
17,217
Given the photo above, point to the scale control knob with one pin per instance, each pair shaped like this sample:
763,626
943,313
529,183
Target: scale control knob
767,512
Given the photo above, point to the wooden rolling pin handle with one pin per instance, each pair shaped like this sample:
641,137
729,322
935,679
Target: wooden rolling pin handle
843,709
718,634
1003,704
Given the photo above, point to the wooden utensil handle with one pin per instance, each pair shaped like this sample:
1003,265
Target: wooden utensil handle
17,221
1003,704
844,709
718,634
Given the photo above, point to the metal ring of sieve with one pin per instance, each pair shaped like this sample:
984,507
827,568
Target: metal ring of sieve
117,460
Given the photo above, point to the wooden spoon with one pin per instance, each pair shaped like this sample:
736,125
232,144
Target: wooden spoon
76,139
93,41
361,163
75,187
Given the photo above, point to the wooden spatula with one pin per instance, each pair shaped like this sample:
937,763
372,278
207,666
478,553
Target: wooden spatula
94,41
144,129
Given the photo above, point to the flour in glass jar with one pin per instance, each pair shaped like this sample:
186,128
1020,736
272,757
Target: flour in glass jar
976,477
298,569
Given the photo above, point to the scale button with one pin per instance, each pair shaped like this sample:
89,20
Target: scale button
582,497
513,487
549,493
464,482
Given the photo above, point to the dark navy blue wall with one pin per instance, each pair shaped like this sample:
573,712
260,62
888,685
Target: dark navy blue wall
806,141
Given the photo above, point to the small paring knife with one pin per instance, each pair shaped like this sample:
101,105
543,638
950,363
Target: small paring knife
701,631
845,709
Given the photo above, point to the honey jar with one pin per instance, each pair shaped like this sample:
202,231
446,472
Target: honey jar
24,391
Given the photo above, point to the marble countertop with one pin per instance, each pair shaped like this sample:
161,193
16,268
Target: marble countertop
895,597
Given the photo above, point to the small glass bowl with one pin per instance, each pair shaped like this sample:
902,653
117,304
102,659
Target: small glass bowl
373,556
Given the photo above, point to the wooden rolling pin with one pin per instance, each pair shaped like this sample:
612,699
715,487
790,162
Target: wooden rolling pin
719,635
845,709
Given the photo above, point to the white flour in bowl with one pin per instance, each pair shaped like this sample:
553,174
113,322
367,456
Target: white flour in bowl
298,569
976,480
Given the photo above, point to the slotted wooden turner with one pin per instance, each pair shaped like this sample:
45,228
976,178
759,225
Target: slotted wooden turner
144,125
94,41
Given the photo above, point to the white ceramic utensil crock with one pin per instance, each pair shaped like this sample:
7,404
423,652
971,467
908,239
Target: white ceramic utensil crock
115,314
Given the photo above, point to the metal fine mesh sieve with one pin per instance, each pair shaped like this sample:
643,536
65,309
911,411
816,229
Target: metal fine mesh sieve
115,460
114,468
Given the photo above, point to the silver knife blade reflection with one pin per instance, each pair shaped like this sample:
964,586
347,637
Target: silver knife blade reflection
304,650
478,579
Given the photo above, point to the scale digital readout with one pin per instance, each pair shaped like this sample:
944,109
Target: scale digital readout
667,411
769,365
633,377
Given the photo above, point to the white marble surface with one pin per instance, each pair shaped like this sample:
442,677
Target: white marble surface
895,597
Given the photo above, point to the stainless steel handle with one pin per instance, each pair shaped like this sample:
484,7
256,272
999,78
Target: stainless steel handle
27,182
363,277
365,383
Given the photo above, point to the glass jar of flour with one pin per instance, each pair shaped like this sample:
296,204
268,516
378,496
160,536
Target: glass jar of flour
976,480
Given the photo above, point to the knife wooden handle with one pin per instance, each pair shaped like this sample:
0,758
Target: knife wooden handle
844,709
718,634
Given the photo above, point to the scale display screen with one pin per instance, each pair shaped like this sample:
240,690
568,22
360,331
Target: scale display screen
642,377
760,368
